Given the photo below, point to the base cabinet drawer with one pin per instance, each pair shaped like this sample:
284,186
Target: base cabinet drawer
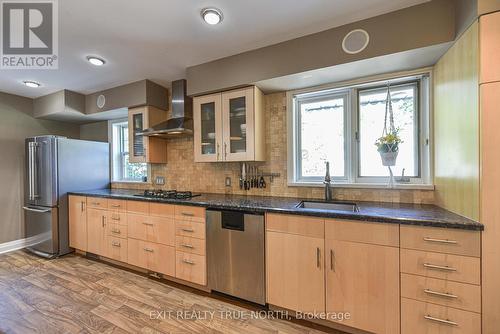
152,256
116,248
117,205
191,268
190,229
153,229
464,269
117,231
190,245
426,318
115,217
463,296
97,203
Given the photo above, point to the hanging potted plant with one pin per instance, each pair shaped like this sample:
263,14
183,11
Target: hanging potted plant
388,143
388,147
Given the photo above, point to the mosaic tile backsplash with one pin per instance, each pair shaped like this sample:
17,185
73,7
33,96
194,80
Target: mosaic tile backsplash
182,173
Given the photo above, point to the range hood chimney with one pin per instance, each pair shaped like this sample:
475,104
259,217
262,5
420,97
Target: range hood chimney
181,122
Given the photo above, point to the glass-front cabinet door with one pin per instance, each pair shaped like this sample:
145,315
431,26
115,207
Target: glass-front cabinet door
208,128
238,124
138,121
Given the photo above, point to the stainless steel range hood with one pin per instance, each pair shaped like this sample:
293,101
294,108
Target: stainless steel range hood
181,122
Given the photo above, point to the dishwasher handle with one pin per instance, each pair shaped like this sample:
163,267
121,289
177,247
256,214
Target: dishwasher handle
232,220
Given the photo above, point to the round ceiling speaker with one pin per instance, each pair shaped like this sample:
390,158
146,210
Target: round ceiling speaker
101,101
355,41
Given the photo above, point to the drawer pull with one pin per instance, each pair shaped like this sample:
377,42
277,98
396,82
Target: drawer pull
115,205
187,246
187,214
188,262
190,230
96,203
441,241
116,231
440,294
116,244
442,321
115,217
148,224
433,266
149,250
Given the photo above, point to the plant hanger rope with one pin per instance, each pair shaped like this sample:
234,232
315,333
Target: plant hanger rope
389,112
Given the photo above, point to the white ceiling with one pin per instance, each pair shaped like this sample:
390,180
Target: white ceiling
158,39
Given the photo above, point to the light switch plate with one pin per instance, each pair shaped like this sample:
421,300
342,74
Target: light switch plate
160,180
228,181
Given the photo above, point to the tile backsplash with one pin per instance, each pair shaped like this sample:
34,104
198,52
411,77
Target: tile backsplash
182,173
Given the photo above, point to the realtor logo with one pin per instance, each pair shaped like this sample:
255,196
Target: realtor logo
29,34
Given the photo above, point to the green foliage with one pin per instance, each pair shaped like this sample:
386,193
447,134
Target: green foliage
389,143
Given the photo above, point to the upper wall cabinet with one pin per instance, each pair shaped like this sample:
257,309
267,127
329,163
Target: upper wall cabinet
141,148
490,47
229,126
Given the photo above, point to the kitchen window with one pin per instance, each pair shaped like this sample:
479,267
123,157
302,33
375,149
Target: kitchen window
340,125
122,169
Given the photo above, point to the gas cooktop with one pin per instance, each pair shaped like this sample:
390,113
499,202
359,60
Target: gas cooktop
167,194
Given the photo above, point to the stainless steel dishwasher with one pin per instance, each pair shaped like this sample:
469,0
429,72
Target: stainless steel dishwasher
235,242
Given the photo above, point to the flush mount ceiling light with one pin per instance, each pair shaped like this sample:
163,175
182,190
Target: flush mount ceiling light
96,60
211,16
32,84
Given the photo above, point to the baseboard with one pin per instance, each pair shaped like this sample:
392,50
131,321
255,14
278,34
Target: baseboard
17,244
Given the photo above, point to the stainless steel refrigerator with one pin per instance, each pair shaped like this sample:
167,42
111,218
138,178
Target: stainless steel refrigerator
54,167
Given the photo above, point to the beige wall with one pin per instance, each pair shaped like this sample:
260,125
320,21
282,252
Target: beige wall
17,123
97,131
456,127
488,6
410,28
182,173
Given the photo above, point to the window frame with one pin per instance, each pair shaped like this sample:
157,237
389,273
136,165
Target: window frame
354,180
117,156
344,94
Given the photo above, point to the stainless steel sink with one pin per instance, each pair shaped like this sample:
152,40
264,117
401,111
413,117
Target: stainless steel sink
333,206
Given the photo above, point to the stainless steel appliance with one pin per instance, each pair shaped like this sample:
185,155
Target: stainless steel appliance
55,166
167,194
236,265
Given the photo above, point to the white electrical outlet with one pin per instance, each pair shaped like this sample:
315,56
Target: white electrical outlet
160,180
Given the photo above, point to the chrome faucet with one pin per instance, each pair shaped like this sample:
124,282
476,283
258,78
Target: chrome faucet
327,183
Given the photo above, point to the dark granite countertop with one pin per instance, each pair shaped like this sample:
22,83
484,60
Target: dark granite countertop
397,213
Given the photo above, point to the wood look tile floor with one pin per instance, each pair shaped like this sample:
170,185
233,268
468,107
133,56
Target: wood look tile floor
73,294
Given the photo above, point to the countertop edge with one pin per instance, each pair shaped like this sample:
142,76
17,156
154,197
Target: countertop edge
473,226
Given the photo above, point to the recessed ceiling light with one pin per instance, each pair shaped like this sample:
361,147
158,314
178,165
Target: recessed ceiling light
96,61
32,84
212,16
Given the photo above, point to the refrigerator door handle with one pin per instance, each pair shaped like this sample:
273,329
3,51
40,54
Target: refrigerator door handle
32,174
36,210
35,171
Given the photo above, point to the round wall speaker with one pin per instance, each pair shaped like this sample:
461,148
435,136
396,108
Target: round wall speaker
101,101
355,41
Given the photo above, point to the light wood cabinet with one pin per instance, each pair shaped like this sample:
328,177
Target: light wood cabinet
362,273
78,222
96,231
489,47
153,256
229,126
141,148
295,272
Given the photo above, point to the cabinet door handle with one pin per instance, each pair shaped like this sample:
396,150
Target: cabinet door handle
442,321
148,250
188,262
187,246
218,151
116,244
103,221
441,241
189,230
318,257
83,206
440,294
332,260
436,267
187,214
225,151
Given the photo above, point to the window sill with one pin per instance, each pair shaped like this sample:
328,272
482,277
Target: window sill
400,186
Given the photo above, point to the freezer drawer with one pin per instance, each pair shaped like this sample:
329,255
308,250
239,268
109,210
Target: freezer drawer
42,230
